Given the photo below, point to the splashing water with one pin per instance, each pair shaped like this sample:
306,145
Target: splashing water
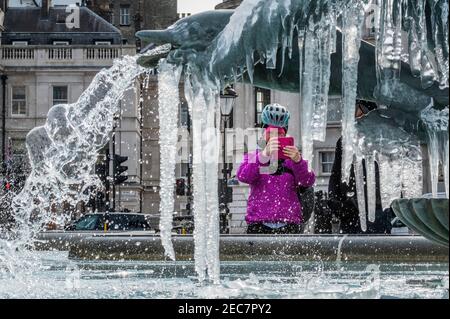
63,154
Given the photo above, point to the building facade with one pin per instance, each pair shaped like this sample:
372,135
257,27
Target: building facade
131,16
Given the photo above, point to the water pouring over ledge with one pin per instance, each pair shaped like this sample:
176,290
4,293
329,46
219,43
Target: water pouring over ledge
63,154
253,44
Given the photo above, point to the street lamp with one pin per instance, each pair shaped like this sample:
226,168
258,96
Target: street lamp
227,101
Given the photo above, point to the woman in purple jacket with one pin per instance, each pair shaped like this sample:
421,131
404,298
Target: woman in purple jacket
273,205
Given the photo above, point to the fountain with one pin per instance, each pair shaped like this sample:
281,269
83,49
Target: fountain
311,47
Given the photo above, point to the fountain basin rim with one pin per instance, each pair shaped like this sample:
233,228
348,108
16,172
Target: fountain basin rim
255,247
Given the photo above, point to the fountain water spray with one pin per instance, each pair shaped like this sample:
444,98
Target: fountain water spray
63,153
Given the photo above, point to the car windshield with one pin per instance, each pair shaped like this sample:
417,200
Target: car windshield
88,222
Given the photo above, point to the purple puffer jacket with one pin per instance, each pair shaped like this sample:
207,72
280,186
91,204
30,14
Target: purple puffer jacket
273,198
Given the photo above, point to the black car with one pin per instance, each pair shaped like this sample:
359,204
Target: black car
111,222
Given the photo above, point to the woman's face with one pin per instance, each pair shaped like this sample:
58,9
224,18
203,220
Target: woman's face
273,131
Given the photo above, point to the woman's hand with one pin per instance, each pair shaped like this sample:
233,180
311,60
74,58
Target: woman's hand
272,146
293,153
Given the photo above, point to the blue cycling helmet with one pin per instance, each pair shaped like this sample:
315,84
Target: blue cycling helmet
275,115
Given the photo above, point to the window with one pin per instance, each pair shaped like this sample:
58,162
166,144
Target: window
20,43
125,15
19,101
60,95
326,162
262,98
60,42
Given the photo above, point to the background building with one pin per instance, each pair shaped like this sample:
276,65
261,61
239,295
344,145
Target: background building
131,16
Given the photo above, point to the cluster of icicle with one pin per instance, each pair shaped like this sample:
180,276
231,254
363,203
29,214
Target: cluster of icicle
63,154
316,29
383,149
203,100
436,123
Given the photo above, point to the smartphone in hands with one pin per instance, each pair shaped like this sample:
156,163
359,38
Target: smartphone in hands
284,141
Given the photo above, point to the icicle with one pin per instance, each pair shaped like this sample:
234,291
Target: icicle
352,19
433,155
446,172
427,74
389,40
212,141
168,92
439,16
250,66
418,45
390,180
323,67
371,188
412,181
333,34
360,187
198,107
204,98
414,50
307,91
